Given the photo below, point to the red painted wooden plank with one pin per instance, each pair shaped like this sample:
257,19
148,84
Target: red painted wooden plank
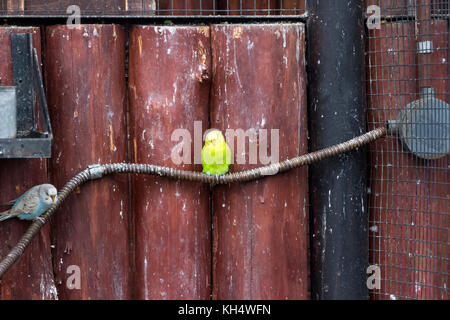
391,7
139,7
184,7
261,228
42,7
424,34
247,7
289,7
14,6
169,90
126,7
409,197
168,7
85,72
32,276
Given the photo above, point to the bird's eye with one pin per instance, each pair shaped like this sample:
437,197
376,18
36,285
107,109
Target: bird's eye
47,198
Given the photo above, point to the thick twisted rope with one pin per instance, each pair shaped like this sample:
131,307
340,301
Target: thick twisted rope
98,171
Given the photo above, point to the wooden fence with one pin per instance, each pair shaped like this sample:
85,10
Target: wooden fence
149,237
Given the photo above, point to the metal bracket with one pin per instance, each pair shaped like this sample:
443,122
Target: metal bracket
30,142
96,171
22,63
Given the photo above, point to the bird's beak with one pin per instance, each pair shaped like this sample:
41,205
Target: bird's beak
53,198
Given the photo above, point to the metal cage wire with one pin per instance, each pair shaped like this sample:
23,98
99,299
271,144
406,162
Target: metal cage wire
155,7
409,197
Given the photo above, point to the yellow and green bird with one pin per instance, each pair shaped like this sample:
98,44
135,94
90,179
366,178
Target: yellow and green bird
216,154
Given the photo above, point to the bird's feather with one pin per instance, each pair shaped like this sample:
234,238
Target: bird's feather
27,202
38,210
32,203
18,199
216,156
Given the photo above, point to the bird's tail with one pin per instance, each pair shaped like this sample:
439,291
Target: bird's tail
5,215
9,203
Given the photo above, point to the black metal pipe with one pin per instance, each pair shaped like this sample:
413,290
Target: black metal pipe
338,187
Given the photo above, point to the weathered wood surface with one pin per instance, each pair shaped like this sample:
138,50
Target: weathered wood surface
86,92
264,7
247,7
168,90
162,7
32,276
131,7
183,7
289,7
12,6
260,228
110,7
393,7
42,7
409,197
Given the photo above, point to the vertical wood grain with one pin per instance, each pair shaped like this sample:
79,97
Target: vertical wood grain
85,73
261,227
32,276
168,90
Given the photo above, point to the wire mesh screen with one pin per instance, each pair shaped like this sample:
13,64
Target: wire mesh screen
154,7
407,60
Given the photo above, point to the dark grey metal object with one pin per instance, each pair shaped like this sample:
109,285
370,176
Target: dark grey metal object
29,142
337,111
21,53
423,126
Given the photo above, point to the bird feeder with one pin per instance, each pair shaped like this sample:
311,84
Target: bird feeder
19,133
